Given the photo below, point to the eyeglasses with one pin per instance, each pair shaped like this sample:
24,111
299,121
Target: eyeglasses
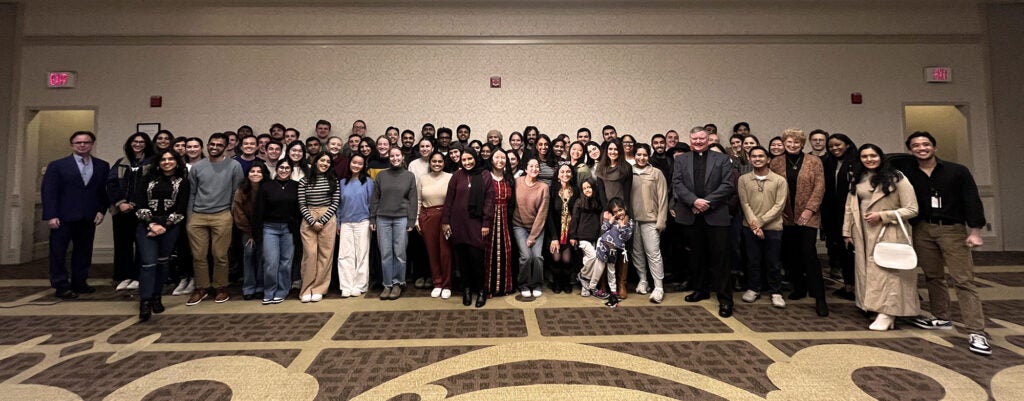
82,143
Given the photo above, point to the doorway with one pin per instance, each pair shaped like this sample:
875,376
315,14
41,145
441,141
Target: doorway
47,134
947,122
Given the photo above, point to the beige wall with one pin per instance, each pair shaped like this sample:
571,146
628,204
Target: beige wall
790,64
949,126
8,57
1006,50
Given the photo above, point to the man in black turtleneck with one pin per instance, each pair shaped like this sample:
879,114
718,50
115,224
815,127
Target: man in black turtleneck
702,184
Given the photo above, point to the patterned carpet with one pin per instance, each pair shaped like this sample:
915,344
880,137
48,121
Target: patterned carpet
557,347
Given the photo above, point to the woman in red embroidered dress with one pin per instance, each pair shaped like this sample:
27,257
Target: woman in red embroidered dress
499,276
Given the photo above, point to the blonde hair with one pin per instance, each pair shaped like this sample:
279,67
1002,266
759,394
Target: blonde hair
794,133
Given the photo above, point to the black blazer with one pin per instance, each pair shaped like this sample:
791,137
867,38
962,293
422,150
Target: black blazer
66,197
718,182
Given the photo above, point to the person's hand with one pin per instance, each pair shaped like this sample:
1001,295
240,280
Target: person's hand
607,216
418,229
695,210
530,243
373,227
753,225
318,226
485,231
848,241
99,218
124,207
702,204
759,233
54,223
974,240
251,242
869,217
672,212
156,230
804,217
573,243
408,229
554,247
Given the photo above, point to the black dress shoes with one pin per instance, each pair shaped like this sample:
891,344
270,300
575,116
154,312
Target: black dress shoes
821,307
725,310
158,305
145,310
481,299
467,297
697,296
66,294
248,297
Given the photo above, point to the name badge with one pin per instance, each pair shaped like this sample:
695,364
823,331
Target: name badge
936,202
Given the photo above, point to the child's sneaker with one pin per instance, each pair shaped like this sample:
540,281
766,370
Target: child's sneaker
585,292
600,294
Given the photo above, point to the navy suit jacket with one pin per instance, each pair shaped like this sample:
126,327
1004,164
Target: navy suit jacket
718,184
67,198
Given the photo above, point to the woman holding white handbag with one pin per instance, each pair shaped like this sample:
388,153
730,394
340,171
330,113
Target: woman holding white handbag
881,196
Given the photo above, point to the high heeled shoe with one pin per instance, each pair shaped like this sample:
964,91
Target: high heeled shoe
467,297
481,299
145,310
883,322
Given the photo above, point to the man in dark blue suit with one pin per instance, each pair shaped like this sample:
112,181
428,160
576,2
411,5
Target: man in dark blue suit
702,184
74,203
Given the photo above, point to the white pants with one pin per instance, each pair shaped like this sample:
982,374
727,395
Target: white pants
589,258
647,251
354,256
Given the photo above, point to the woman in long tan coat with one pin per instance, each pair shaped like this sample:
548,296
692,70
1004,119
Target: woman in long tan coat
880,193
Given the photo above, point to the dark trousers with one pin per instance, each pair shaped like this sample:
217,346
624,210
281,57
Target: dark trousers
764,252
707,256
81,233
800,256
126,256
470,261
154,253
839,255
673,252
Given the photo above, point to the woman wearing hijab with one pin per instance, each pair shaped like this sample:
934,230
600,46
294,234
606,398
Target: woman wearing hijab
466,220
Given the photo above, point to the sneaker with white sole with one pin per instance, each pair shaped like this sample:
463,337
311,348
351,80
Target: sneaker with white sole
134,285
641,288
306,298
346,293
180,289
191,286
526,293
751,296
537,293
600,294
585,292
316,298
778,301
356,293
931,323
446,293
436,292
657,295
979,344
123,285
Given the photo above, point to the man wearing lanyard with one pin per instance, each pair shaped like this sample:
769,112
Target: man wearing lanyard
949,199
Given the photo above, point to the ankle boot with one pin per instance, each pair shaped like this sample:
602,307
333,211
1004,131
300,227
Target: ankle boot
145,309
467,297
883,322
158,305
481,299
821,307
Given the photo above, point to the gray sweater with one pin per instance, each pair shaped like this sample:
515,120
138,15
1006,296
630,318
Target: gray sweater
394,195
213,185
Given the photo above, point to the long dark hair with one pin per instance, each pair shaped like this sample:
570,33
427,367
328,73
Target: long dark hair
885,176
363,174
301,163
315,175
247,187
170,140
593,203
155,172
147,150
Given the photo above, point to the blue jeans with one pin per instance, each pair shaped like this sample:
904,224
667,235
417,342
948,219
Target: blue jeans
252,268
764,252
154,255
392,240
531,263
278,250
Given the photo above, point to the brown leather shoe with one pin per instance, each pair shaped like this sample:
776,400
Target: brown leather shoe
197,296
222,295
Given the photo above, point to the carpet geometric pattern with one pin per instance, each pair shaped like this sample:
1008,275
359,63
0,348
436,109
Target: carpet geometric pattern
555,347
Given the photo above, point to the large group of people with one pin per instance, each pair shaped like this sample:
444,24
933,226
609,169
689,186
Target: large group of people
280,213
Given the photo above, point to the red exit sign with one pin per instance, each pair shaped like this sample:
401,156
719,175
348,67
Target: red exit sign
61,79
938,74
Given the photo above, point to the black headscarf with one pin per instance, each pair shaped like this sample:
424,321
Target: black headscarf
476,184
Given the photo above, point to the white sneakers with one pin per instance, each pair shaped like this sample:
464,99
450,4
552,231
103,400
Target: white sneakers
778,301
346,293
526,293
537,293
185,287
123,285
657,295
306,298
316,297
751,296
446,293
641,288
435,293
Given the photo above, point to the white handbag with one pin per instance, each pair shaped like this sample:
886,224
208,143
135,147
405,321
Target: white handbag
895,255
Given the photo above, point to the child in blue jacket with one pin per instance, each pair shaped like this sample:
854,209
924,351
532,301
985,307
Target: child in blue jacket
616,230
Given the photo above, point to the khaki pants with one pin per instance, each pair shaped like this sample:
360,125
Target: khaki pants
204,229
945,245
317,254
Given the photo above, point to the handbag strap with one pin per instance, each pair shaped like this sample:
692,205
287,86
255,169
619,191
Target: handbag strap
902,226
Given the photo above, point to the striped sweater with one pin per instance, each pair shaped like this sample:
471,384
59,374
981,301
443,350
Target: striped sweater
317,194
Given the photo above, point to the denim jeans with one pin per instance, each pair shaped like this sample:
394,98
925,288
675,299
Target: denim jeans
252,268
278,250
531,263
392,239
154,253
764,252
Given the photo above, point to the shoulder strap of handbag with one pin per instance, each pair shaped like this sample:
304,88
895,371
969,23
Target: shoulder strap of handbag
902,226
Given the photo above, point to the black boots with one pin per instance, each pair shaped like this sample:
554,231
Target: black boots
145,309
158,305
481,299
821,307
467,297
